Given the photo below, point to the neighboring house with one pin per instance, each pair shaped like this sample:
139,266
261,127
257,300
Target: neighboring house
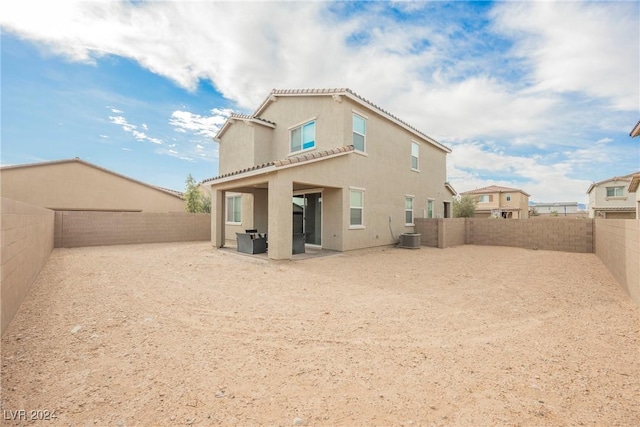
633,188
557,209
496,201
635,131
75,184
358,174
611,198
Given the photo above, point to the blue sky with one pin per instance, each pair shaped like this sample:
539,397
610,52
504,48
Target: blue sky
534,95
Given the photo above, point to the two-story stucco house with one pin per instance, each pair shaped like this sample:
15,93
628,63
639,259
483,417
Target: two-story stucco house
499,201
611,198
329,165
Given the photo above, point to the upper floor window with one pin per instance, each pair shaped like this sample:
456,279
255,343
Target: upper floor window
303,137
408,210
234,209
485,198
430,208
508,197
415,155
615,191
359,132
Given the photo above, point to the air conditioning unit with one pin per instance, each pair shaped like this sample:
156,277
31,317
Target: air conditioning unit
410,241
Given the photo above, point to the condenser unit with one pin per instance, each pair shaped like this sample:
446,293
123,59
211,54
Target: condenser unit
410,241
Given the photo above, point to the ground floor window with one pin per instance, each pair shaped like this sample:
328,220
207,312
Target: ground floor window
234,209
408,210
356,208
430,208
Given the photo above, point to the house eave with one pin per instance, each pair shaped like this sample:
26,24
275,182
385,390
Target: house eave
355,98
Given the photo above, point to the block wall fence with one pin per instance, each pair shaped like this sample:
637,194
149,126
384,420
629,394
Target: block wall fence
29,234
618,246
27,242
614,241
74,229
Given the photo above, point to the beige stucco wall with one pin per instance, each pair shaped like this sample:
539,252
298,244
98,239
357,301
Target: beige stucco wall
499,201
27,242
383,171
74,185
618,247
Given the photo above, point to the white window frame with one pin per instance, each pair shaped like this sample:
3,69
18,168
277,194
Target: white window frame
431,203
508,197
408,197
356,226
301,127
621,188
364,135
482,197
417,156
232,198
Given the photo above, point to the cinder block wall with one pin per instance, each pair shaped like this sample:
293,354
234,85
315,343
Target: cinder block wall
78,229
618,247
27,242
428,230
440,232
454,232
566,234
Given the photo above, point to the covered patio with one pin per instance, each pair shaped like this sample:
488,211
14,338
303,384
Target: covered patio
289,203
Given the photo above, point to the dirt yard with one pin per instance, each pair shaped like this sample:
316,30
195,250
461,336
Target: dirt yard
182,334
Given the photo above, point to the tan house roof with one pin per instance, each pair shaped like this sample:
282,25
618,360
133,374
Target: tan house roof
635,131
635,182
495,189
615,178
174,193
244,118
290,161
336,94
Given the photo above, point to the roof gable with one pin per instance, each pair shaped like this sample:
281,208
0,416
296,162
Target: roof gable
625,178
244,118
495,189
336,94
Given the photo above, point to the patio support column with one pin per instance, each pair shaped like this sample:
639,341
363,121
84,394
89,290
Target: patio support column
217,218
280,217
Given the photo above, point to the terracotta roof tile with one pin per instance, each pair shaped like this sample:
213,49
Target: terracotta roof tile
301,158
492,189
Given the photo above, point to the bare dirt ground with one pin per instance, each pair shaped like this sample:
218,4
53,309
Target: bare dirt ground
182,334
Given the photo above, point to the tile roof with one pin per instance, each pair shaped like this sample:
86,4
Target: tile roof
635,131
250,118
351,94
291,160
615,178
493,189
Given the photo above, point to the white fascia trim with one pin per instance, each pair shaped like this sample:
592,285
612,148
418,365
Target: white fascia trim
306,162
241,175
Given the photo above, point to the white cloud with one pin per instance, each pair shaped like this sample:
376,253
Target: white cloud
546,179
207,126
590,47
555,77
132,129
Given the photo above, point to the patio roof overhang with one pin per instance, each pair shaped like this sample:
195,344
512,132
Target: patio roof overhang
264,169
